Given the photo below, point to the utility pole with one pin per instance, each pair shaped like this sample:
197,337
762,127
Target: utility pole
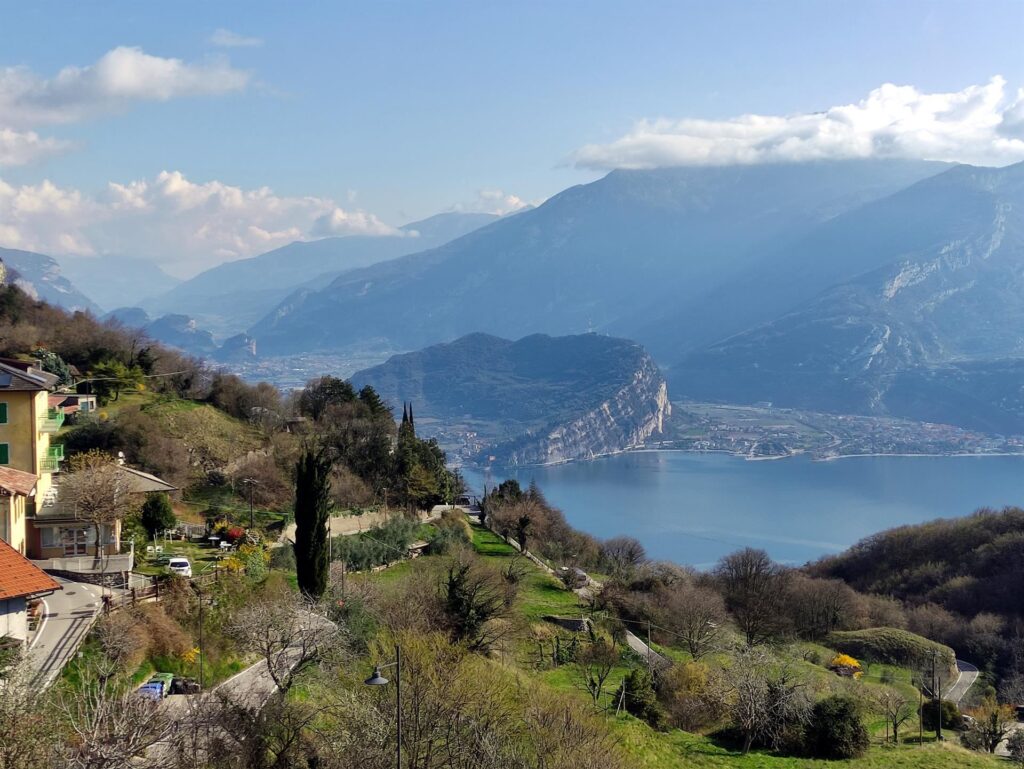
250,482
937,689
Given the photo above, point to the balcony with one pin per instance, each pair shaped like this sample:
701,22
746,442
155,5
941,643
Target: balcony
51,421
51,462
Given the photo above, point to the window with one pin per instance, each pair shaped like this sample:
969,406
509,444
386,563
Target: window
5,453
49,537
3,413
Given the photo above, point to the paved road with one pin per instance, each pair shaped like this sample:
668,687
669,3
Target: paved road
68,615
959,687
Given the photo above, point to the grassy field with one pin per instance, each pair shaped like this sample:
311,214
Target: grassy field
541,594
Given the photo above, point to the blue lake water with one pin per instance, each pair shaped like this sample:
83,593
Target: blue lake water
694,508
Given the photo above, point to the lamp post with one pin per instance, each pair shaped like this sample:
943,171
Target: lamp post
378,680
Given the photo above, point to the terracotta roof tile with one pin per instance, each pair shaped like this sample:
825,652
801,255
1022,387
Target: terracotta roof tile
20,577
16,481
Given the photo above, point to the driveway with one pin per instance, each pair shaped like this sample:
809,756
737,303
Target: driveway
67,618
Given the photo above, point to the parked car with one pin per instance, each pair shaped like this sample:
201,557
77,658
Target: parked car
180,566
184,686
152,691
165,679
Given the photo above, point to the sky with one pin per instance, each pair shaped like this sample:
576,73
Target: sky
190,133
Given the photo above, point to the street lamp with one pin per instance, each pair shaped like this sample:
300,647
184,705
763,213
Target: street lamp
378,680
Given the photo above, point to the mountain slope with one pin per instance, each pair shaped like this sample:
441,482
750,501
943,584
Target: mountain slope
940,303
40,276
231,296
538,400
594,256
117,281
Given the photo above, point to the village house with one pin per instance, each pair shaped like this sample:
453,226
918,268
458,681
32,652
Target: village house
27,461
20,582
56,532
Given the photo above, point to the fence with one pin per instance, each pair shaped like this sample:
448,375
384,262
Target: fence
145,589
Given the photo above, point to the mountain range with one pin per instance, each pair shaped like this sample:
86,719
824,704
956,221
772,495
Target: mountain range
612,255
871,286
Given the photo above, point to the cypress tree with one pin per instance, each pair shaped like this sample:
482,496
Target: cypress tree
312,507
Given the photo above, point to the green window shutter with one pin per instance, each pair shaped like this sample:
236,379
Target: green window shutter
3,413
5,453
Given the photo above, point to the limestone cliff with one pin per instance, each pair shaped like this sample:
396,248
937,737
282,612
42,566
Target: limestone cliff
626,420
538,400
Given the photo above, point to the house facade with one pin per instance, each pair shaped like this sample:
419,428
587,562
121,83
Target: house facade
27,461
20,582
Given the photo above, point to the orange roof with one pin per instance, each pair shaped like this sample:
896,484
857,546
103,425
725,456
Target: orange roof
19,577
16,481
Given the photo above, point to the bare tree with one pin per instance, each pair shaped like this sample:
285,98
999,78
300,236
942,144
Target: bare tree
696,614
593,666
288,633
754,589
107,725
765,698
896,707
97,492
27,728
622,555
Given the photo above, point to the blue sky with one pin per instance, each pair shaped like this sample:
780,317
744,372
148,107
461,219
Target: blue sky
394,111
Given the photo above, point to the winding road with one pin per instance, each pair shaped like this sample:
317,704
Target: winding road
958,688
68,615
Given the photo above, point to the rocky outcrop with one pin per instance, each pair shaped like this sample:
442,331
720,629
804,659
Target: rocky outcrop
633,414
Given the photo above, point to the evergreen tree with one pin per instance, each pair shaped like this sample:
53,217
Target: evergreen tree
157,514
312,507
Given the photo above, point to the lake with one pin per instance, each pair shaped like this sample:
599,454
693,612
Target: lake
693,508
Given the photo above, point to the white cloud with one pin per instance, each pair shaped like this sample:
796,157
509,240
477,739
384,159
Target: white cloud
494,201
184,225
20,147
118,78
225,38
980,124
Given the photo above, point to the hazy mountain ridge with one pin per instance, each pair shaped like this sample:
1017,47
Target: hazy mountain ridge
946,309
541,399
604,255
40,276
231,296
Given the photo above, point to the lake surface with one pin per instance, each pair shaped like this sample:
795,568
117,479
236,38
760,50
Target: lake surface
694,508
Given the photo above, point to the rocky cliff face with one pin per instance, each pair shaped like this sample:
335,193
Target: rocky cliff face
633,414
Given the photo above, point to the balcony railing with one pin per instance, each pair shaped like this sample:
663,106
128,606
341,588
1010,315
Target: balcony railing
51,462
51,421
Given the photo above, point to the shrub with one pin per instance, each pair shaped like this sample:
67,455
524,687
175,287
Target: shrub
283,557
836,730
639,697
951,718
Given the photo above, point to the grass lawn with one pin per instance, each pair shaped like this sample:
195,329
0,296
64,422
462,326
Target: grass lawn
655,750
202,557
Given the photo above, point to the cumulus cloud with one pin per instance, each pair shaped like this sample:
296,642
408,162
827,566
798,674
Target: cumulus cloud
20,147
225,38
117,79
185,225
982,124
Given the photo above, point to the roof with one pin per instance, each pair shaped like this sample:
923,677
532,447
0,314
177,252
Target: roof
16,481
31,380
20,578
143,483
53,508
